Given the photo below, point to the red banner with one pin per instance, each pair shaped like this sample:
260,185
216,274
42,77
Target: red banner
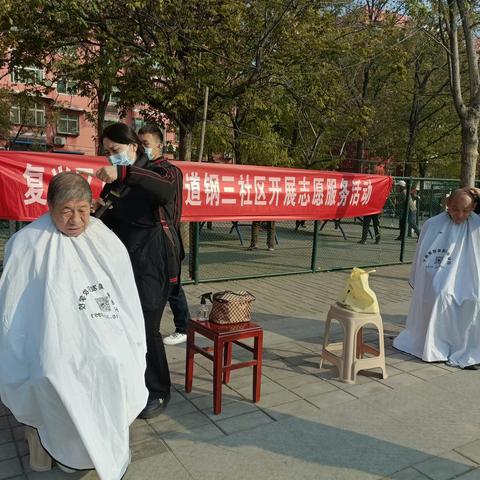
210,191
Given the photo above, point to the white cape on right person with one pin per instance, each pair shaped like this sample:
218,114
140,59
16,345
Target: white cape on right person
443,323
72,343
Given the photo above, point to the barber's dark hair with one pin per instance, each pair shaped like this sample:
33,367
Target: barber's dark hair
152,129
122,133
66,186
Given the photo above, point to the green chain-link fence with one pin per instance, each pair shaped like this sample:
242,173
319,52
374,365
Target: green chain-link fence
219,250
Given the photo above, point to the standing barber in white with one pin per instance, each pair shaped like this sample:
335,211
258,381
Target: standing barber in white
443,323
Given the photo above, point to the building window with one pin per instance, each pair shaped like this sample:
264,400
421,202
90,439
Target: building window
67,87
113,98
67,124
28,75
15,116
33,116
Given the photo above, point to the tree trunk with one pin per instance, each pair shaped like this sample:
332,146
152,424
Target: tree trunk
469,150
103,98
185,144
359,167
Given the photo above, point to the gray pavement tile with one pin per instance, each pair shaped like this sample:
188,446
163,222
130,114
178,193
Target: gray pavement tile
266,388
445,467
314,388
19,432
368,389
430,372
470,450
244,422
473,475
410,365
10,468
148,448
294,381
57,474
173,411
236,382
13,422
297,409
175,397
407,474
181,423
396,357
22,447
5,436
231,410
159,467
400,381
329,399
362,378
193,436
25,461
391,370
4,423
8,450
142,432
276,373
277,398
448,367
206,401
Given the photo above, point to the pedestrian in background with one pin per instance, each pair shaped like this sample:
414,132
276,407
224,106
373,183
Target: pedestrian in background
366,225
270,227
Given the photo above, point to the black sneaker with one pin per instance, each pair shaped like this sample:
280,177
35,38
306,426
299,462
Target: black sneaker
154,407
472,367
363,242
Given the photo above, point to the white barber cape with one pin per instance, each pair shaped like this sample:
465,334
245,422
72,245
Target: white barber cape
72,343
443,323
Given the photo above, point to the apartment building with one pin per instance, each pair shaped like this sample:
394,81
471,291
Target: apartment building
58,120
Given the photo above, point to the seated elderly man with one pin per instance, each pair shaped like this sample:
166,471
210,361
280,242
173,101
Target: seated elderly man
443,323
72,339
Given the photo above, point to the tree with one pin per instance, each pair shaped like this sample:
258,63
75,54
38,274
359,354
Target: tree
66,38
457,32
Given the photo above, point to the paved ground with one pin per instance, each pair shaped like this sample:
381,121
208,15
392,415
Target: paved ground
420,423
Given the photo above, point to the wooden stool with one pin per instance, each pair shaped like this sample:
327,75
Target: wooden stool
352,359
223,336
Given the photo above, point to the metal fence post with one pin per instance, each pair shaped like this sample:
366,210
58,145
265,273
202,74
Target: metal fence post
405,219
195,252
313,264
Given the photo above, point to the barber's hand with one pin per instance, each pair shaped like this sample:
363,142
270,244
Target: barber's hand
96,204
475,192
107,174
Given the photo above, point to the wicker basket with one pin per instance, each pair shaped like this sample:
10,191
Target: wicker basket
231,307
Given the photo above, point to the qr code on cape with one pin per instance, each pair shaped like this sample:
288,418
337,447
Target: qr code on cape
104,304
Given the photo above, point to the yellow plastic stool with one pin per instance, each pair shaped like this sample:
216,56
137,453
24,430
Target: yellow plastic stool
352,359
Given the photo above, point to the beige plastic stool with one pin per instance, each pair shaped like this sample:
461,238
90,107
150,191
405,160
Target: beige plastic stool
40,460
352,360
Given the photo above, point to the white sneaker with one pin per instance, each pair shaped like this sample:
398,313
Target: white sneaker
175,338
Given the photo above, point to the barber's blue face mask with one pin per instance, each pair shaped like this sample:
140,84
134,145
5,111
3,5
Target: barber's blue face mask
148,152
121,158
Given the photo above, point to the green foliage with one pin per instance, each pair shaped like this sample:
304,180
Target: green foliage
295,83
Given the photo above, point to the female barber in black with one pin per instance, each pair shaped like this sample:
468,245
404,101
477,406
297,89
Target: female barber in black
144,213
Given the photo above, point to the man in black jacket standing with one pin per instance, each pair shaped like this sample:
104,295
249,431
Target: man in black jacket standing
144,213
152,139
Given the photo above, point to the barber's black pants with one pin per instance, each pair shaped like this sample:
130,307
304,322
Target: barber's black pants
157,374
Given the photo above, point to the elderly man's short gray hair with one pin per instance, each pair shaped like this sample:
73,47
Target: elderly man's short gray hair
67,186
